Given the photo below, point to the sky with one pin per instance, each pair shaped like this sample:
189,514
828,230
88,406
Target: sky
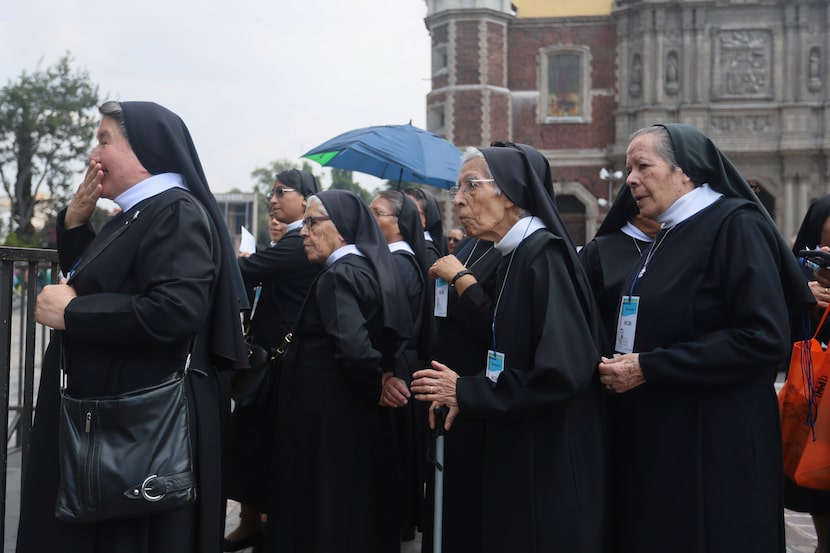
254,80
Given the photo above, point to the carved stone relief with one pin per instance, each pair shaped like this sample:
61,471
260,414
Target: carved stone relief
743,64
635,85
746,123
672,73
814,70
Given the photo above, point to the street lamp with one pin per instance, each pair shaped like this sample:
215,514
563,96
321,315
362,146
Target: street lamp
605,174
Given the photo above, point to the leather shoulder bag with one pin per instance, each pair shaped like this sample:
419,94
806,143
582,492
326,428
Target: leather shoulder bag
126,455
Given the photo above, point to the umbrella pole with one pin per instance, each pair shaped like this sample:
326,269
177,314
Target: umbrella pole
400,176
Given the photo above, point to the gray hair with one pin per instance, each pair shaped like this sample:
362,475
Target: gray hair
394,197
113,109
662,144
315,200
474,153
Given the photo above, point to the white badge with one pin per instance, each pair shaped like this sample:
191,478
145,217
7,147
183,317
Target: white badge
627,324
495,364
442,289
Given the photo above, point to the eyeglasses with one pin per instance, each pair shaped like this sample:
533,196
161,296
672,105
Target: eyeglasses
467,187
379,213
310,221
279,192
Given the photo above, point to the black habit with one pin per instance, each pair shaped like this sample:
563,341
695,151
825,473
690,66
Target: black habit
285,274
169,274
704,426
700,464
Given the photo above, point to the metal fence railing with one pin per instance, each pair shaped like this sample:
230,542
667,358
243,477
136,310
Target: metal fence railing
23,272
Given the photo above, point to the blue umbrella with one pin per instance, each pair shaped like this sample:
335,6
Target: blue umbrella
393,152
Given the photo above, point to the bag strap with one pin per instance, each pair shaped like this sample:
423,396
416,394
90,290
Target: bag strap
821,322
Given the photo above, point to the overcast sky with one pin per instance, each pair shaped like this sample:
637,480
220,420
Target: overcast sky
254,80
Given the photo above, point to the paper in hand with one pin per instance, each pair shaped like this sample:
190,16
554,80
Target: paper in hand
248,243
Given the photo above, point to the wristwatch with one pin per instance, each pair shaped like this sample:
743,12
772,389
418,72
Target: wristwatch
460,274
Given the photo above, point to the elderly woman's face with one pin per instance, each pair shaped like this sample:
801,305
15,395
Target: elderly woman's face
482,211
654,184
121,166
320,236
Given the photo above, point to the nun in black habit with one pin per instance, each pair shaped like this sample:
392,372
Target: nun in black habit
333,487
399,221
543,451
431,220
127,316
611,255
709,312
284,274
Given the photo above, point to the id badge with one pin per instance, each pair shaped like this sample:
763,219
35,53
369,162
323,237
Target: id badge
495,364
442,289
627,324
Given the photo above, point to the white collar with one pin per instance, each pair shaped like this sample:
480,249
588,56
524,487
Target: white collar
632,231
688,204
427,236
149,187
401,246
523,228
294,225
343,251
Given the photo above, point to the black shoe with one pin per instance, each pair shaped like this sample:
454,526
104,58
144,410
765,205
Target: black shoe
254,540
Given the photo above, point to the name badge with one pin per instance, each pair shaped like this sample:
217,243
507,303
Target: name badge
442,289
627,324
495,364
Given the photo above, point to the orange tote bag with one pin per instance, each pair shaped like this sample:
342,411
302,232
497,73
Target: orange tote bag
805,418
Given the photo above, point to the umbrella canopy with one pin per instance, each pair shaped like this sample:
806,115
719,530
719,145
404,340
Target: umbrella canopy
394,152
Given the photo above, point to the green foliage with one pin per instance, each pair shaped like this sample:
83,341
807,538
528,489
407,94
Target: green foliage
341,179
47,122
264,178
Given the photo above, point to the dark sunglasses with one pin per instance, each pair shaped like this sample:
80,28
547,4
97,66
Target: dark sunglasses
279,192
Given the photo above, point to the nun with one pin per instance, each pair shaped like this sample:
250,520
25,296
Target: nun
704,326
280,277
536,390
333,477
158,274
617,246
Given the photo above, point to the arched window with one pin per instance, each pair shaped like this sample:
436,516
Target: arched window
565,85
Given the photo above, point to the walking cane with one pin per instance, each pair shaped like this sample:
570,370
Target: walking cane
440,413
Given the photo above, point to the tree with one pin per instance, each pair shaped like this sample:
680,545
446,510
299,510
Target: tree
47,122
342,180
263,178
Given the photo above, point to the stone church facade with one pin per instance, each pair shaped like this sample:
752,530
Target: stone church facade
750,74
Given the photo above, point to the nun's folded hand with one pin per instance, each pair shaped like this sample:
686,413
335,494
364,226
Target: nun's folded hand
394,392
437,385
621,373
51,304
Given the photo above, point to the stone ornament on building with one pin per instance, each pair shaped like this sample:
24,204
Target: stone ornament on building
742,64
672,73
747,124
814,70
635,87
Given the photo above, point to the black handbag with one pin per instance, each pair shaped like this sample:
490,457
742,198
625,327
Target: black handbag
126,455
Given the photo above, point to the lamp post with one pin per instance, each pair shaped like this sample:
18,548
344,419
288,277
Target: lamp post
607,175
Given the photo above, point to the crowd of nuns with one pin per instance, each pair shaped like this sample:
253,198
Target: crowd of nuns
616,397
